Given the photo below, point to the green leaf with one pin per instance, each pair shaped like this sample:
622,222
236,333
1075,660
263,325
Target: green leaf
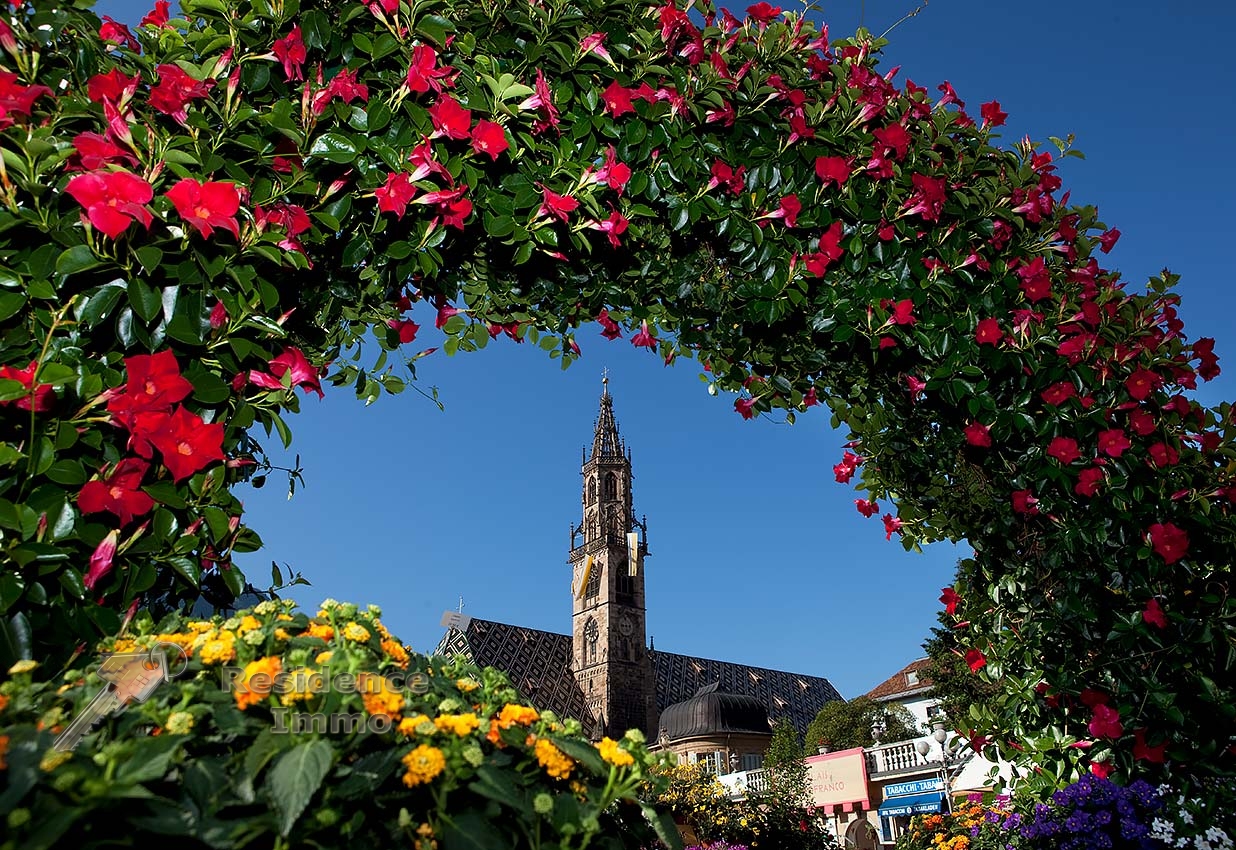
99,303
334,147
470,830
435,28
295,778
76,259
11,303
188,569
145,300
315,27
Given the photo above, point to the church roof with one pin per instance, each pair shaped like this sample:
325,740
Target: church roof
711,712
538,664
606,444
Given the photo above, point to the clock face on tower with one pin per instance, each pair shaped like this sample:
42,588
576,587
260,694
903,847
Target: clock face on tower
591,631
626,625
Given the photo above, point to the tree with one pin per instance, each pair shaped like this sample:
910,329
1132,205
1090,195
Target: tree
843,724
953,684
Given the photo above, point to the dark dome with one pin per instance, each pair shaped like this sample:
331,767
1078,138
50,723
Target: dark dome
710,713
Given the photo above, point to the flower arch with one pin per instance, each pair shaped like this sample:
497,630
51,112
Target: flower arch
204,215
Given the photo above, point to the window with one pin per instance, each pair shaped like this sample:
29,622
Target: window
912,677
752,761
714,761
934,711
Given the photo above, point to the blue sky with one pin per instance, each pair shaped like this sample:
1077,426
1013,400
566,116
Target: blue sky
758,555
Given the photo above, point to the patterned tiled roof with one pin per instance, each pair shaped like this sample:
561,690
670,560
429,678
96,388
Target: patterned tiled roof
538,664
899,686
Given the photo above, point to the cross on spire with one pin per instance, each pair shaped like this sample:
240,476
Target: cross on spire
605,381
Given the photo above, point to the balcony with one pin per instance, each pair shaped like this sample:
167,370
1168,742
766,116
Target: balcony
738,784
899,758
600,542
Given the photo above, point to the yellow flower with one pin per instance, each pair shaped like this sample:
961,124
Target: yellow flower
23,666
247,624
615,755
303,687
408,725
52,759
124,645
423,764
378,697
282,634
381,630
179,723
284,617
199,626
556,763
218,650
396,651
247,695
323,657
356,632
467,685
461,724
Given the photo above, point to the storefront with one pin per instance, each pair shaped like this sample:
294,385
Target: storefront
903,800
839,791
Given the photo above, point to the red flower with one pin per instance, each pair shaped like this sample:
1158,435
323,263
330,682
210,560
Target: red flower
903,312
187,443
992,115
206,206
617,99
153,383
1088,481
830,251
891,524
39,396
1035,282
344,87
978,434
396,194
1101,769
832,169
490,138
16,99
158,16
895,138
449,119
101,560
594,43
928,198
424,73
1024,503
405,328
290,50
1105,722
976,659
445,311
1144,752
643,338
1142,383
1058,394
450,206
809,398
541,100
1153,614
844,471
117,33
113,87
763,12
916,385
112,199
867,507
1113,442
745,406
609,328
988,332
293,361
119,493
1204,351
612,227
95,152
1064,449
558,206
1164,455
950,598
1169,541
218,316
1108,240
731,178
174,91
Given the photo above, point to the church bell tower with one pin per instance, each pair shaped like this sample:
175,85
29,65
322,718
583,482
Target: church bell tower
609,655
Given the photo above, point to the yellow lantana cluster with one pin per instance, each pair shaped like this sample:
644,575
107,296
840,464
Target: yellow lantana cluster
247,693
378,696
408,725
423,764
614,754
461,724
356,632
556,763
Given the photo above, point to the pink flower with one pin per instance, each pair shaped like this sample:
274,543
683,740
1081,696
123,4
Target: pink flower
723,175
844,471
206,206
867,507
609,328
424,73
117,33
746,407
916,385
101,560
643,338
978,434
617,99
405,329
290,50
891,524
594,43
903,313
763,12
218,316
292,361
612,227
1105,722
112,200
1153,614
928,198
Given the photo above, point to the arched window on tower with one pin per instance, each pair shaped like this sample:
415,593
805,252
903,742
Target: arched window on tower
611,485
592,491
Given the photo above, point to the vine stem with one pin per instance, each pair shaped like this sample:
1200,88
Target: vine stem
903,19
57,318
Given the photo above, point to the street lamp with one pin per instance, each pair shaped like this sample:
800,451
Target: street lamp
940,736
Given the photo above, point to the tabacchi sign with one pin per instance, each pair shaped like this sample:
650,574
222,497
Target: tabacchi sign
838,778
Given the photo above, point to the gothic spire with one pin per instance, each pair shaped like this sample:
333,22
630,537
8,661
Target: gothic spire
606,442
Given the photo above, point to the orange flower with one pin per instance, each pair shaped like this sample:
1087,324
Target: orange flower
249,692
378,697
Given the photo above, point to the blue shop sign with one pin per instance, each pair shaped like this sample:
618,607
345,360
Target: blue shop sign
921,786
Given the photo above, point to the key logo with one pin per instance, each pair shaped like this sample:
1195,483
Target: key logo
131,678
